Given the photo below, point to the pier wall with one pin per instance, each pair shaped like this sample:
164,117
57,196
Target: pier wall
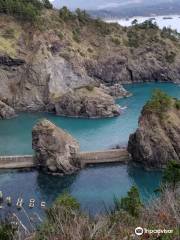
17,162
107,156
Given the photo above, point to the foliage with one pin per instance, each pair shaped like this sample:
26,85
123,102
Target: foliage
133,38
24,9
68,202
171,174
134,22
148,24
82,15
159,103
76,35
177,104
167,32
132,203
116,40
6,231
65,14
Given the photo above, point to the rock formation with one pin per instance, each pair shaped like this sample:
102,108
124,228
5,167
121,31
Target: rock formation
6,111
116,90
54,148
39,66
157,139
89,102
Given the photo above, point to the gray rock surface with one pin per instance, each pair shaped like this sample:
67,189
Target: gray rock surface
88,102
6,112
156,141
54,148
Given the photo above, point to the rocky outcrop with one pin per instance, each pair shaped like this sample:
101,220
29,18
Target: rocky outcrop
54,148
116,91
6,112
88,102
157,139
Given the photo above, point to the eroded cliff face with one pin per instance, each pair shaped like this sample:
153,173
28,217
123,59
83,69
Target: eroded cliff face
157,139
88,102
54,148
6,112
41,64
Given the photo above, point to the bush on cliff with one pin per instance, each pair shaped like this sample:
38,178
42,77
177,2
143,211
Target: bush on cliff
24,9
159,103
132,203
171,175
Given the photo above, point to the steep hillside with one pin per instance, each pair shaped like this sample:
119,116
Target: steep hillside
41,61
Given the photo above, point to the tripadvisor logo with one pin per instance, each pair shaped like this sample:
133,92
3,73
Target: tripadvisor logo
139,231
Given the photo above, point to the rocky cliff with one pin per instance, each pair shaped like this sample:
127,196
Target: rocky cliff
54,148
157,139
88,102
40,63
6,112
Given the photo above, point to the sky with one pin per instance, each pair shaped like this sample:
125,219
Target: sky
104,4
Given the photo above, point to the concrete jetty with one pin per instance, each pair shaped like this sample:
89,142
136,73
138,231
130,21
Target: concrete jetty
85,158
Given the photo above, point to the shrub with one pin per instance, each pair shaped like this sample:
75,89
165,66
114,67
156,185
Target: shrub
170,57
8,33
171,174
65,14
90,88
159,103
24,9
177,104
133,39
76,35
132,203
116,40
7,231
68,202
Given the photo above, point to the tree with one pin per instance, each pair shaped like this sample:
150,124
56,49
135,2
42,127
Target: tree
171,175
65,14
68,202
134,22
47,4
132,203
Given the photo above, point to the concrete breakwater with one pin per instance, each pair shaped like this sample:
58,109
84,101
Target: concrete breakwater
85,158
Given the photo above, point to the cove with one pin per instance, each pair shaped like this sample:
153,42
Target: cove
93,186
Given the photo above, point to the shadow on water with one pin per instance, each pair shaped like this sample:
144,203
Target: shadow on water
51,187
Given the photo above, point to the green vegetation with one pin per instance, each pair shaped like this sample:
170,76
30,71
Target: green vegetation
177,104
68,202
148,24
24,9
132,203
171,175
167,32
66,15
7,231
159,103
66,223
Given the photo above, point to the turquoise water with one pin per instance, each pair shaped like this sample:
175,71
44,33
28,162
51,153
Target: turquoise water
93,186
15,134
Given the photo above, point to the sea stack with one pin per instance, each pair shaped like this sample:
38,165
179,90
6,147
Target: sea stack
54,148
157,139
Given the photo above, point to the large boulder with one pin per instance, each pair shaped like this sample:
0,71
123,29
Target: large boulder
54,148
157,139
6,112
88,102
